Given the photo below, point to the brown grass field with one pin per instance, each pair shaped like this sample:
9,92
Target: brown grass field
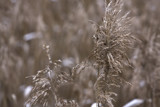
79,53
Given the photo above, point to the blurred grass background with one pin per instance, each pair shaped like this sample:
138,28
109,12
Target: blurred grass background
68,26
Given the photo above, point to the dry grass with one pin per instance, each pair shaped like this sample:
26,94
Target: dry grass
94,42
112,41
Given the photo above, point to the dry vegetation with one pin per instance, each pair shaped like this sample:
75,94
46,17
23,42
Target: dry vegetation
78,53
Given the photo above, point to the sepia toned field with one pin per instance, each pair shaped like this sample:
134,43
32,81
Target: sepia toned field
79,53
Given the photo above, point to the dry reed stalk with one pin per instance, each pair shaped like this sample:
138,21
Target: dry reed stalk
112,41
